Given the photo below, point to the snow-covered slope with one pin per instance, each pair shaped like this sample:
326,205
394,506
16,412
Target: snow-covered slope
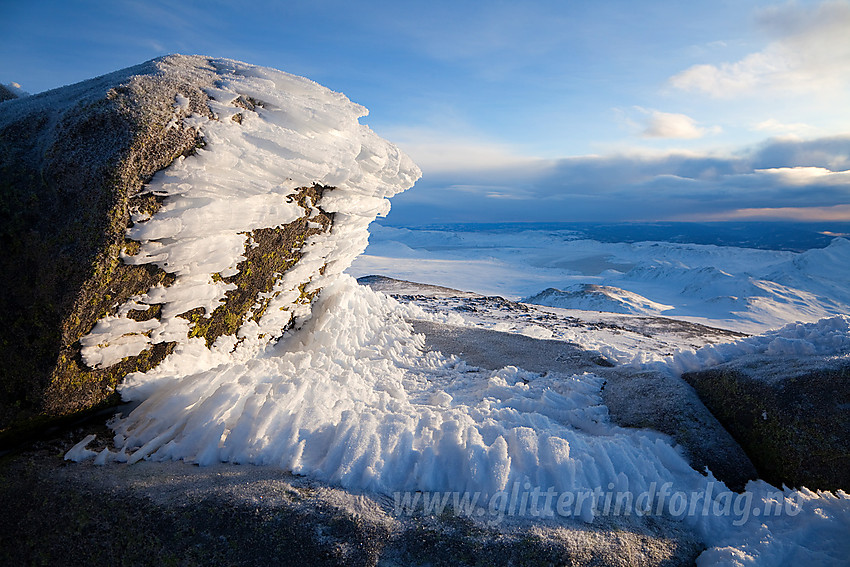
593,297
824,272
348,395
622,338
742,289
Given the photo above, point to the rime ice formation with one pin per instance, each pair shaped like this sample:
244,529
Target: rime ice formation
351,399
341,390
270,135
185,203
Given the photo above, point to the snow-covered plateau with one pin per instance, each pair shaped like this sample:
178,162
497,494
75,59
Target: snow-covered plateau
743,289
350,396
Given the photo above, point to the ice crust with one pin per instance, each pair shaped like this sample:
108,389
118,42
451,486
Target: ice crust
348,396
298,134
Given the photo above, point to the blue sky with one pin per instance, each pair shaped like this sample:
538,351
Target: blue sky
527,111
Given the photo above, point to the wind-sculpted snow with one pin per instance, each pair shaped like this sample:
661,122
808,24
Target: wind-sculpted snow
828,337
367,409
271,134
347,395
350,398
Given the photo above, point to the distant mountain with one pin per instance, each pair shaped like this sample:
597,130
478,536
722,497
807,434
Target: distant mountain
591,297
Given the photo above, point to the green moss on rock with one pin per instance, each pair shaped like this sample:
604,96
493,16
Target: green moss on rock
72,164
271,252
789,416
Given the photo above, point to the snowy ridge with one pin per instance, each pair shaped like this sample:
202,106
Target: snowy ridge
626,339
828,337
296,134
740,289
825,272
592,297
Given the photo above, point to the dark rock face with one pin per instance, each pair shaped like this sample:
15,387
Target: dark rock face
791,416
173,513
73,163
668,405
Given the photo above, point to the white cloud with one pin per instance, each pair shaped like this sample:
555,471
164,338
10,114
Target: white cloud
730,79
439,152
800,176
670,125
811,53
774,126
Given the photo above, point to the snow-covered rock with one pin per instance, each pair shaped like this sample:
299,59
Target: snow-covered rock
785,397
592,297
349,397
187,203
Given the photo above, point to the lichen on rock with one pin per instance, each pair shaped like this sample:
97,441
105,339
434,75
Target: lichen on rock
789,415
171,203
72,163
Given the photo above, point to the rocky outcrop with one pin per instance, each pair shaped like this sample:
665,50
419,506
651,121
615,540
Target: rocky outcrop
73,163
109,266
161,513
790,414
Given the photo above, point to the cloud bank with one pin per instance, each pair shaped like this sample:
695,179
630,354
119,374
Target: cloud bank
787,179
672,126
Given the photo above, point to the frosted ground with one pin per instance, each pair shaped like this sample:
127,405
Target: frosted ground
743,289
351,397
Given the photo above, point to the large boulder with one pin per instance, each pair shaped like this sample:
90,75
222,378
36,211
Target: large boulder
186,204
173,513
791,414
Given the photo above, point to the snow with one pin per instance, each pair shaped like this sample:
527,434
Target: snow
828,337
368,410
618,337
299,135
79,452
740,289
592,297
349,397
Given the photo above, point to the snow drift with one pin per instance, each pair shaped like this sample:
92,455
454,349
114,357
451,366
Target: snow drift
270,134
346,394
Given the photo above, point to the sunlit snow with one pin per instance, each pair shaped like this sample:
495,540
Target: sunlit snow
348,396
